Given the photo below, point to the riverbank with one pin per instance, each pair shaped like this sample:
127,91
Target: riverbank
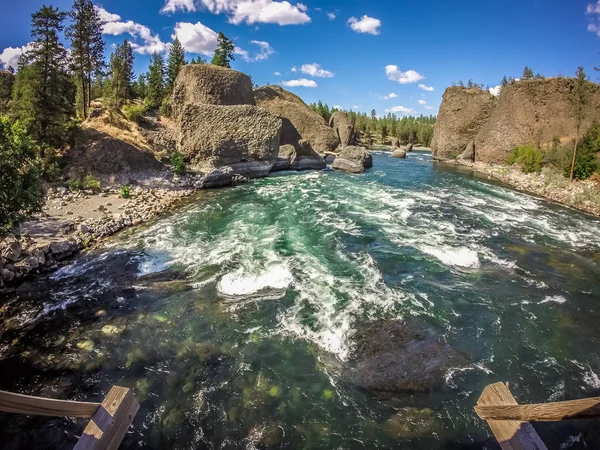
583,196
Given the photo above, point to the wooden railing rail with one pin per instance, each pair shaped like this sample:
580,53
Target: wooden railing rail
543,412
109,422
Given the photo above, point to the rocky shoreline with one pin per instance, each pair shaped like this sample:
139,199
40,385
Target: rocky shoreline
583,196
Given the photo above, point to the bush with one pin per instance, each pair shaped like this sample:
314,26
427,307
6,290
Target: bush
21,192
134,112
586,162
528,157
558,157
165,107
178,162
89,183
125,192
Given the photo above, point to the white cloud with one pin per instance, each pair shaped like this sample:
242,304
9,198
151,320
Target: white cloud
400,110
315,70
105,16
265,50
338,106
357,107
277,74
389,96
294,69
422,102
196,38
10,56
366,24
395,74
428,107
245,11
426,88
150,42
593,10
302,82
331,16
495,91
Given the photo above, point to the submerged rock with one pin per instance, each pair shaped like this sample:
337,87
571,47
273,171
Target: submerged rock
402,357
410,423
398,153
353,160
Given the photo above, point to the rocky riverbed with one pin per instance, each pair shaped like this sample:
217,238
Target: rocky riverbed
548,184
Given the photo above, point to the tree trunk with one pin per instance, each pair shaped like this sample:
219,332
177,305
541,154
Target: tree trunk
574,156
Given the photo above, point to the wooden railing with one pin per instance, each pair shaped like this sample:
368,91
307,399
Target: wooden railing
509,421
109,422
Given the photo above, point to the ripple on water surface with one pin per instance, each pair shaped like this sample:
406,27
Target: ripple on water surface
234,318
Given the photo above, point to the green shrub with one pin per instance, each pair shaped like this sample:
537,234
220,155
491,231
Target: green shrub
528,157
165,107
21,188
125,192
75,185
134,112
586,162
178,162
91,183
558,157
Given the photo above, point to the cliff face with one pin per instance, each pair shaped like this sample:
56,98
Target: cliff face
527,112
462,113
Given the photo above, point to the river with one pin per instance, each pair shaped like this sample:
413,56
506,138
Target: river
233,318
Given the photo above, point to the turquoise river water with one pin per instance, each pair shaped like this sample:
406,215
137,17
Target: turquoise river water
233,318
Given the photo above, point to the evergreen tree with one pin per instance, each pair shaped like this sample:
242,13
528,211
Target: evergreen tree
579,100
527,73
175,63
156,83
7,81
87,47
140,87
224,52
43,94
121,74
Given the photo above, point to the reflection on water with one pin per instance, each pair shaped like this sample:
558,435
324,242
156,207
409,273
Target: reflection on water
235,319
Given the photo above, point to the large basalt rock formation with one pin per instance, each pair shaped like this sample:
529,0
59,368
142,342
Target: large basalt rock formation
307,158
462,114
243,137
353,160
342,125
210,85
526,112
392,357
534,112
299,121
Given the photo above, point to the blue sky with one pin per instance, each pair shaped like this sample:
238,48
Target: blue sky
382,55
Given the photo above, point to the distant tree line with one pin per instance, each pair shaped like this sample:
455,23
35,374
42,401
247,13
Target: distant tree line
371,128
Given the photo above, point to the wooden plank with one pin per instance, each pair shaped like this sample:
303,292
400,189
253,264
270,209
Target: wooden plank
543,412
511,434
110,423
39,406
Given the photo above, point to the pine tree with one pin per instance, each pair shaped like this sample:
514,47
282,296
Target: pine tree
175,63
121,74
156,82
43,94
504,82
579,100
224,52
140,88
87,47
527,73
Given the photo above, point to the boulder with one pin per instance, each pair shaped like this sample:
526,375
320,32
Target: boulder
395,142
398,153
62,249
299,121
469,153
210,85
243,137
392,356
342,125
12,251
307,158
353,159
462,114
408,147
287,155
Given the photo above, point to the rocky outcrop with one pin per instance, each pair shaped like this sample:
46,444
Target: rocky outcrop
210,85
393,357
526,112
534,112
462,114
395,142
286,156
307,158
408,147
299,121
342,125
243,137
353,160
398,153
